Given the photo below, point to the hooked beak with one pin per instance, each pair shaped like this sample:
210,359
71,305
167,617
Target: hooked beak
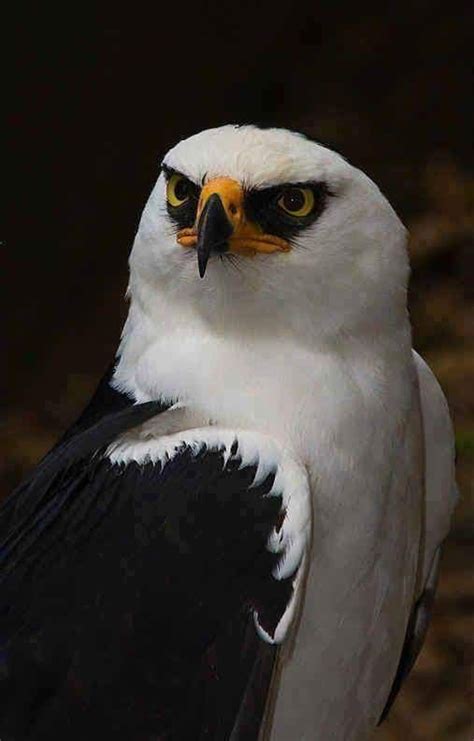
214,230
222,225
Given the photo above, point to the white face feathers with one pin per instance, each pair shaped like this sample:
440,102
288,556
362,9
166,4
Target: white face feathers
287,236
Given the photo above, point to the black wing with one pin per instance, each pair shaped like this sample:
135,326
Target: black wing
108,414
127,595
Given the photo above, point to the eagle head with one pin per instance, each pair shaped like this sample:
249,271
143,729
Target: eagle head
264,228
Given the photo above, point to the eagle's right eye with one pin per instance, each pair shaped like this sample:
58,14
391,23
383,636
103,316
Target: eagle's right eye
179,190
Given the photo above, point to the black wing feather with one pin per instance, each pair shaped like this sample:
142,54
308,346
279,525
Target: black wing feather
127,595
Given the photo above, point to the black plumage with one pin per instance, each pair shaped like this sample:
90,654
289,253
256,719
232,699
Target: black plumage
127,592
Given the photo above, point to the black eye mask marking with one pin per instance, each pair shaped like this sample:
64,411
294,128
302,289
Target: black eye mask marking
184,215
261,207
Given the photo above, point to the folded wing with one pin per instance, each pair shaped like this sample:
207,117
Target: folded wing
440,499
146,585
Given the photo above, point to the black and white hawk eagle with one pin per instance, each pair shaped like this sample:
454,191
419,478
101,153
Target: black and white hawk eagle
239,537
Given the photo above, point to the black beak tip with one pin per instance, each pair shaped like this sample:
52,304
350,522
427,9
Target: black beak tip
202,265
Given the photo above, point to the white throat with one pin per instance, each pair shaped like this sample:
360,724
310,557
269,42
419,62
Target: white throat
277,384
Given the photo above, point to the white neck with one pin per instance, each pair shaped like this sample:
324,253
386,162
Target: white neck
238,374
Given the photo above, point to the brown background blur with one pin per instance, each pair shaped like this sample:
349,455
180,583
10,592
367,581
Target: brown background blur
97,101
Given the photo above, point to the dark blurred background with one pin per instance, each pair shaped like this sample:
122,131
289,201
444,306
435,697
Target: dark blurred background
96,102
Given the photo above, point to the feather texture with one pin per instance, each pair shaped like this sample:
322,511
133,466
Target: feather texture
129,593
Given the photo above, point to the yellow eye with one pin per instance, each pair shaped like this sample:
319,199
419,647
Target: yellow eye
178,190
297,202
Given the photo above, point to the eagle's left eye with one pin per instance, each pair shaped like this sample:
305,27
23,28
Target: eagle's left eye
179,190
298,202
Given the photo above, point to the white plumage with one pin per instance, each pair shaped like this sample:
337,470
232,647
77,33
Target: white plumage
311,347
